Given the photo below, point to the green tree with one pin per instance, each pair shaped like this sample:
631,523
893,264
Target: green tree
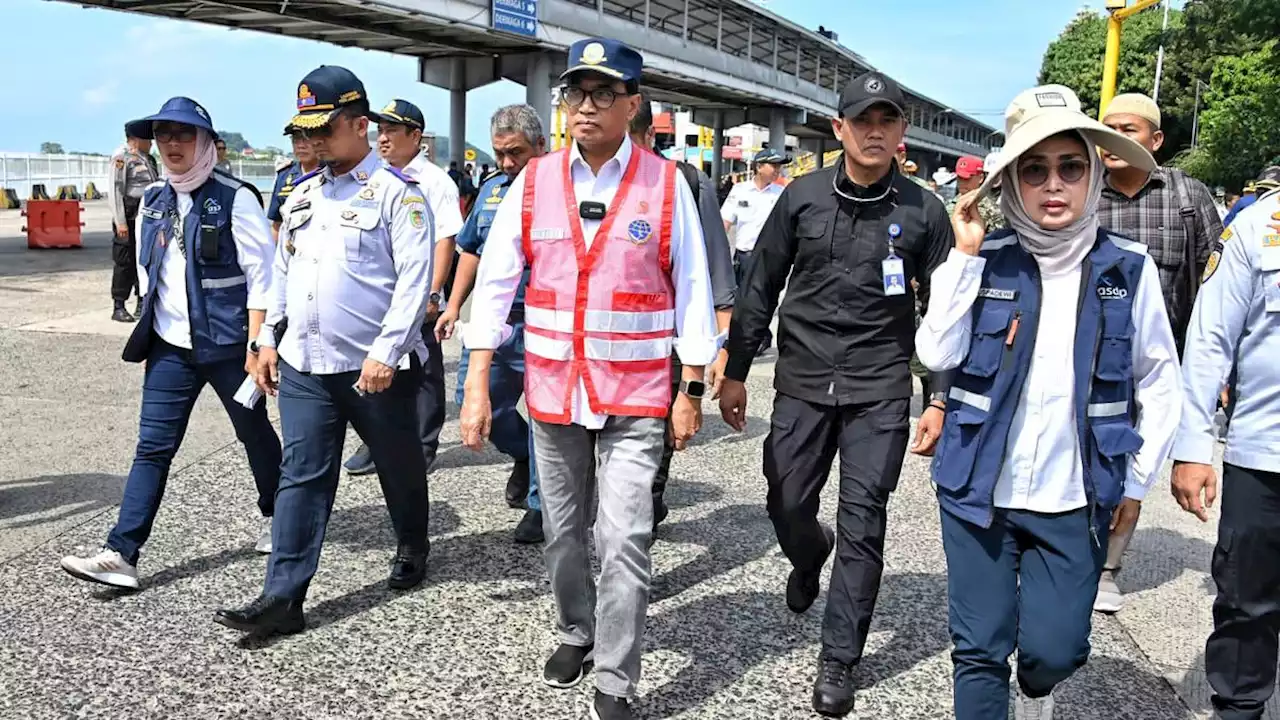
234,140
51,148
1239,119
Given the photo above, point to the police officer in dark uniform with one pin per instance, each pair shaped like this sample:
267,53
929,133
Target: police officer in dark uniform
133,169
305,163
849,238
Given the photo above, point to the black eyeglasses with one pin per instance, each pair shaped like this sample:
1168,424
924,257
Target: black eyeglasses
1037,173
323,132
602,97
172,133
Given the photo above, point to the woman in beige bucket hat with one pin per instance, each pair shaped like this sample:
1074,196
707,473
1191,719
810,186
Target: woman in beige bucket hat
1064,404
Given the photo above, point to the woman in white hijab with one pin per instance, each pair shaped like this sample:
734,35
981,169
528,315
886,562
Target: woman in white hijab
1064,405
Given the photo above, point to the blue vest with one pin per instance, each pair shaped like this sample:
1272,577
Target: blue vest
217,291
486,207
988,386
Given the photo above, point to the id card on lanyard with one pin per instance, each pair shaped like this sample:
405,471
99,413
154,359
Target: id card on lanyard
895,277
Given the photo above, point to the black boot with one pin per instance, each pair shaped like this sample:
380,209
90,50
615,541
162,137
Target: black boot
529,531
122,315
803,587
833,690
265,616
518,484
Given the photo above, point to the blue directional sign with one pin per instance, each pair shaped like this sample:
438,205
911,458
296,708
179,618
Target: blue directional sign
519,17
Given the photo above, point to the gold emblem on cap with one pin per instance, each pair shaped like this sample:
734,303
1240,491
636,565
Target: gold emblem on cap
593,54
390,108
303,91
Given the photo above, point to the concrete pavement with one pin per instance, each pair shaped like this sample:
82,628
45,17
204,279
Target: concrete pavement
470,643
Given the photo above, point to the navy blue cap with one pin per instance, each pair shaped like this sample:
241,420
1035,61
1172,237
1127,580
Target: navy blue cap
769,155
322,93
178,110
401,112
605,56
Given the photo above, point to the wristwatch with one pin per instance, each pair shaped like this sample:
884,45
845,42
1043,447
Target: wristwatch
254,347
435,298
938,400
693,388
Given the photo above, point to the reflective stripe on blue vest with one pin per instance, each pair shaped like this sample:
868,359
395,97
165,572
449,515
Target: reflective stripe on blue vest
987,388
217,291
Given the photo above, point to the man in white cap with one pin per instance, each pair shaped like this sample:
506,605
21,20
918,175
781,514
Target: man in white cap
1065,400
1174,216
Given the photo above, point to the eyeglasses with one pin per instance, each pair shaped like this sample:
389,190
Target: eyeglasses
1037,173
602,97
324,132
175,133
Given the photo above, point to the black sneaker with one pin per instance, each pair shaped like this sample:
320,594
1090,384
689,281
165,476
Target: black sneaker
802,587
529,531
833,690
518,484
122,315
360,462
567,666
608,707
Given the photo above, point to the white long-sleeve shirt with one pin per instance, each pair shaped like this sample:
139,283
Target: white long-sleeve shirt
254,249
1042,470
503,263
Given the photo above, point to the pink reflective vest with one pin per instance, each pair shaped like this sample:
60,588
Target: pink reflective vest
605,315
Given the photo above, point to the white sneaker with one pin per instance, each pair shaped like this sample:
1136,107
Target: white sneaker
1025,708
264,537
107,567
1109,600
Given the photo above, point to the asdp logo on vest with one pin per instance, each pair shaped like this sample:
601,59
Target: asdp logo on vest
1106,292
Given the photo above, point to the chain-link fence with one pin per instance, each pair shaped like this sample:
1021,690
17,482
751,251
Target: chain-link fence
19,171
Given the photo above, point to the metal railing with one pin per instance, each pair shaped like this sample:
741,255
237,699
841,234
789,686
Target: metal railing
19,171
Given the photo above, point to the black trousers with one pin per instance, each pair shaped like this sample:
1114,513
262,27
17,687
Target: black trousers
1240,656
124,256
802,443
431,397
742,260
668,442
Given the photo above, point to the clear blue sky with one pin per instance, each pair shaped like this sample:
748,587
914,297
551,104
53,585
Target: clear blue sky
75,75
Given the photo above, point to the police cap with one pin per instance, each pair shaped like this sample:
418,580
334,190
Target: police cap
401,112
607,57
323,93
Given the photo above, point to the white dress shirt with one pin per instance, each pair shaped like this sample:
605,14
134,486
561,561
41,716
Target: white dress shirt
254,249
441,193
747,207
503,262
1042,469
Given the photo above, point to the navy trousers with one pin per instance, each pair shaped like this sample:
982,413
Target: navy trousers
1027,583
169,391
509,431
1240,656
430,398
314,412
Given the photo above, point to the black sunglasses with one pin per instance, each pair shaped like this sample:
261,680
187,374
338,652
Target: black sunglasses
170,132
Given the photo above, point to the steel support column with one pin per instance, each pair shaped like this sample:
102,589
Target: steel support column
458,111
778,129
538,90
717,147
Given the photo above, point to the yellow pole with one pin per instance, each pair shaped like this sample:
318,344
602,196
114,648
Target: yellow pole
1111,64
555,128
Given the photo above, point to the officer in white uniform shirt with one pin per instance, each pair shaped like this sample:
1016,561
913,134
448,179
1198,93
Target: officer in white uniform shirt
745,210
1235,331
204,271
400,126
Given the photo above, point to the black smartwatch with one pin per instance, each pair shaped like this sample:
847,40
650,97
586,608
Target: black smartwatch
938,397
693,388
435,298
254,347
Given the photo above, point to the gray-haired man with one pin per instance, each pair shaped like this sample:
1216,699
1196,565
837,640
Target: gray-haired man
518,137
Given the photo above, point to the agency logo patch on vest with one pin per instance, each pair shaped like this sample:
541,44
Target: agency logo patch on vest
1107,291
639,231
417,218
212,207
997,293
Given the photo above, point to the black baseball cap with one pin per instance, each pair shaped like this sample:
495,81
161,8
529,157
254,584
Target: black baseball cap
322,93
401,112
868,89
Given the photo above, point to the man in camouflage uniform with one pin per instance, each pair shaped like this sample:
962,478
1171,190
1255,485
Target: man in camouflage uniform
969,176
132,170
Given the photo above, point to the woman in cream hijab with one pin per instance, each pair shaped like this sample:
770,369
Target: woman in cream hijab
1064,405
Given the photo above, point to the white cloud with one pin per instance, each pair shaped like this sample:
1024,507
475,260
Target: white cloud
100,95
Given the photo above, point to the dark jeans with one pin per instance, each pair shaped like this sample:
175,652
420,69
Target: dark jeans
314,412
509,431
798,452
124,257
742,261
169,391
1240,656
1027,583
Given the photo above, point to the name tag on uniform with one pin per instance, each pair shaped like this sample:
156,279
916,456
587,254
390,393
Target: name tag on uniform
548,234
153,214
895,279
743,203
300,206
998,294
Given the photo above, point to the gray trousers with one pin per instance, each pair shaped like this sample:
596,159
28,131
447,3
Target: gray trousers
621,459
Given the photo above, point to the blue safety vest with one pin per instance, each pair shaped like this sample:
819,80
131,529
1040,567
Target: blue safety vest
486,207
217,291
987,388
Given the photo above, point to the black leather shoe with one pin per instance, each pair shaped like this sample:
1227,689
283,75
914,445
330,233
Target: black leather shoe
265,616
122,315
529,531
802,587
608,707
567,665
360,462
660,511
833,690
518,485
408,569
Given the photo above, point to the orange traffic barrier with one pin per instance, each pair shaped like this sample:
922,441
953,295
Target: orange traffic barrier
52,224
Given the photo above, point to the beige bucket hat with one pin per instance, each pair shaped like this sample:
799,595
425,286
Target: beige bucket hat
1045,111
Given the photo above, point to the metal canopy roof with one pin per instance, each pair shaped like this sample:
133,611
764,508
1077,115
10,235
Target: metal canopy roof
736,29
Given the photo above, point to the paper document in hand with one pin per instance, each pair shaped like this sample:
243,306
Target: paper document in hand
248,395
